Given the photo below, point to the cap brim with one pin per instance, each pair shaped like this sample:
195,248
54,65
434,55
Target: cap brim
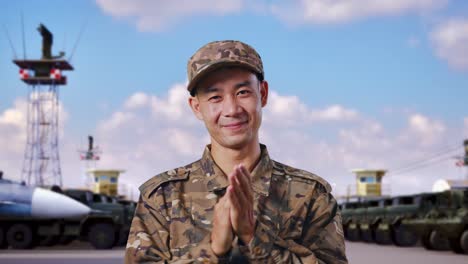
215,66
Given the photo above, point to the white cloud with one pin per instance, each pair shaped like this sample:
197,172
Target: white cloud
450,41
116,120
156,15
137,100
342,11
292,111
427,131
175,106
334,113
13,128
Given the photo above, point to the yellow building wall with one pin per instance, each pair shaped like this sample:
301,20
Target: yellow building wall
103,183
369,189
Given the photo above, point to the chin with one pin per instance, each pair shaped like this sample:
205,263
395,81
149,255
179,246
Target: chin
237,142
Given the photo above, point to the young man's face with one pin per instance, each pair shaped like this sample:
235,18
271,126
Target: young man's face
230,101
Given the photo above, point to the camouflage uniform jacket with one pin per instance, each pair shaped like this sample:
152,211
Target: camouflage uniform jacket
297,218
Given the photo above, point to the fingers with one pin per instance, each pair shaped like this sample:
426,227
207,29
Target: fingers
236,195
240,180
245,181
233,199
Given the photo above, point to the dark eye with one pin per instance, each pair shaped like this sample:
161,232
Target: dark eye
243,92
215,98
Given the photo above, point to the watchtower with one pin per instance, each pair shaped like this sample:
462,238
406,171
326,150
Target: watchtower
106,181
41,164
369,182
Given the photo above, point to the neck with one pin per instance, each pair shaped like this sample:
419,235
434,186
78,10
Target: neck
227,158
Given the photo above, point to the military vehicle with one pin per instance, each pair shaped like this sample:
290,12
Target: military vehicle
349,227
367,220
445,225
130,207
455,224
27,218
380,233
440,220
106,226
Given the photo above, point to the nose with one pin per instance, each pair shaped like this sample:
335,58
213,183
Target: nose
231,106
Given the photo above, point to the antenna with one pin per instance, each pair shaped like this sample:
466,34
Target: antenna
78,40
22,30
9,40
64,41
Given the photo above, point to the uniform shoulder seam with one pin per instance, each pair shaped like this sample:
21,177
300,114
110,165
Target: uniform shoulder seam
299,173
178,174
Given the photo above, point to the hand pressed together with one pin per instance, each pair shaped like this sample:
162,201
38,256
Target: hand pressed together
233,214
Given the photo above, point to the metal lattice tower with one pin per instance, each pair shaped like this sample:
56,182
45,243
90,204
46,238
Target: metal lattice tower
41,164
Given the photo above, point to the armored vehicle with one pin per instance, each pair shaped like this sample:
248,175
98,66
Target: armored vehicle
440,220
366,222
106,226
445,225
349,226
130,207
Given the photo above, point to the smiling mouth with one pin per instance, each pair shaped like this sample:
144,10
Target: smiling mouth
235,126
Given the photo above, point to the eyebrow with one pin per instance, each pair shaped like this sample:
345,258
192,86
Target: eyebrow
242,84
213,89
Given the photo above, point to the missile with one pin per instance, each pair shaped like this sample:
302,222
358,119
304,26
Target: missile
18,200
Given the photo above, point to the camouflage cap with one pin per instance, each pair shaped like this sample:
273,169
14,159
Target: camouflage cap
218,54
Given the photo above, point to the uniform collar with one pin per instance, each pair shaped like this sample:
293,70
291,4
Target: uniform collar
217,181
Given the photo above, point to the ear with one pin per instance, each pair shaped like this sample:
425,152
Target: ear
264,93
194,104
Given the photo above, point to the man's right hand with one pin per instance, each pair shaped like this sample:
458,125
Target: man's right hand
221,234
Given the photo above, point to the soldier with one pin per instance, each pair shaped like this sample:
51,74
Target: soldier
235,204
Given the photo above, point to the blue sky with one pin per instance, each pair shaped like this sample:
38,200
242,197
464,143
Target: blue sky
398,66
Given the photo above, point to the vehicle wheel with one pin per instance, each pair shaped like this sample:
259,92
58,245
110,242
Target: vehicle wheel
20,236
3,242
49,241
383,237
404,237
366,235
464,241
101,236
123,236
353,234
433,240
455,244
425,240
65,240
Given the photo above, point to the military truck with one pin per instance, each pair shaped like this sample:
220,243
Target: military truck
129,207
106,226
455,224
361,218
445,225
366,223
380,234
349,226
440,220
